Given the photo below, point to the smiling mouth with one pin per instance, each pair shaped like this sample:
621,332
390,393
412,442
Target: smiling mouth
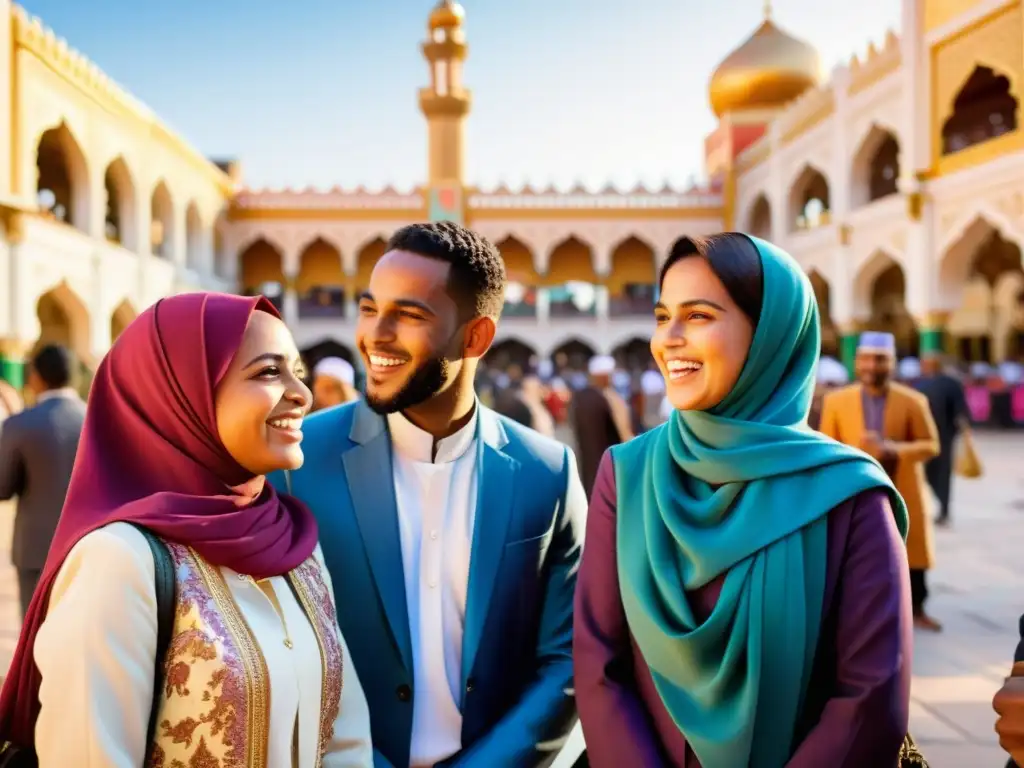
289,427
682,369
385,363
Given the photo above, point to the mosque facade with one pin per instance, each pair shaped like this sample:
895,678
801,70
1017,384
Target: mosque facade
897,181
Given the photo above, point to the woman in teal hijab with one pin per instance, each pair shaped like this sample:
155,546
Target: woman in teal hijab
743,598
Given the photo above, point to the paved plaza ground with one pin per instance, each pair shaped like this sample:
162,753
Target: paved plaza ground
978,592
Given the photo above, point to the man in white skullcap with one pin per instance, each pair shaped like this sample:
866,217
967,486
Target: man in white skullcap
600,418
893,424
333,383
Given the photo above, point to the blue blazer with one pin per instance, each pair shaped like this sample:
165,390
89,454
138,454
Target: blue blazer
518,704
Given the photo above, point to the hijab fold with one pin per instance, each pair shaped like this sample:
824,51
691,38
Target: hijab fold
744,490
150,454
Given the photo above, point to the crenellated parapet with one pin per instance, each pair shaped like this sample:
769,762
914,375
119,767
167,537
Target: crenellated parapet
579,198
32,35
876,64
257,201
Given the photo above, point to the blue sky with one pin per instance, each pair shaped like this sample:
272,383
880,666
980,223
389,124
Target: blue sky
323,92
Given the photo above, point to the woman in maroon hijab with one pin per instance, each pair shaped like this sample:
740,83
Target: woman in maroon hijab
197,401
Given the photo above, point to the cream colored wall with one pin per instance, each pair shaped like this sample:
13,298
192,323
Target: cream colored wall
933,227
89,276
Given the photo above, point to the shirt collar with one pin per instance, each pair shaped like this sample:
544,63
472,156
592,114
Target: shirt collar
416,444
53,393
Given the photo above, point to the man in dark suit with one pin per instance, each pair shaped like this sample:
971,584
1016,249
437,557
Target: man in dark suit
37,452
452,534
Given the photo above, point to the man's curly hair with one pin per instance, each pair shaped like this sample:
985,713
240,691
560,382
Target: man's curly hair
476,281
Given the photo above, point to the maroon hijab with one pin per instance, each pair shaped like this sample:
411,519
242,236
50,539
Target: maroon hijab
150,454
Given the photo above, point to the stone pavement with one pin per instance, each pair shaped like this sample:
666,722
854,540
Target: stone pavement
977,591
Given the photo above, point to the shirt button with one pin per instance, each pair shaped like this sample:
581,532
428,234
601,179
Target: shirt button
433,534
404,693
470,685
432,584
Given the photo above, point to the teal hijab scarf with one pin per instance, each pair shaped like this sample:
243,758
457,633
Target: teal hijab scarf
742,489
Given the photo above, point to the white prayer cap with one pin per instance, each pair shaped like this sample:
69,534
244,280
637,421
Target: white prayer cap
832,372
877,342
545,369
909,368
981,370
336,368
1011,373
621,380
601,365
652,383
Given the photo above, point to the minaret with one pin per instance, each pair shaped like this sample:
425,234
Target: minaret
445,104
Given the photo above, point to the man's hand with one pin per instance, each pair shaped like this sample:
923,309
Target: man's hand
1009,705
872,445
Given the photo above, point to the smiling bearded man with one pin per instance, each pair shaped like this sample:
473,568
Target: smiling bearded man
453,534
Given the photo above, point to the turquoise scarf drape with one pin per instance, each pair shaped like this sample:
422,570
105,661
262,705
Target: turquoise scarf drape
743,489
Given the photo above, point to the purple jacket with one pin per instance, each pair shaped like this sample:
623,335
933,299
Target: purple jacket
858,703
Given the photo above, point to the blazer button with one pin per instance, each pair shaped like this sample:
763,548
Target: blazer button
470,684
404,693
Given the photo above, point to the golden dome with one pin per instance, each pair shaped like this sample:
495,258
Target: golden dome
447,14
770,69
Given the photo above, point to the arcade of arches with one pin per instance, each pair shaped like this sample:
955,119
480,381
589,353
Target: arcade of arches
874,175
570,287
63,194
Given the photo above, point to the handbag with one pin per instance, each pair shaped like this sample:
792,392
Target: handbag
13,756
968,464
910,755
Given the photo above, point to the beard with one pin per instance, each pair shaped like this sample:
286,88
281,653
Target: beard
425,382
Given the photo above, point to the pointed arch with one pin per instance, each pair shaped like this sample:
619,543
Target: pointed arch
161,233
321,281
64,319
876,167
367,257
572,353
571,260
631,283
511,351
521,278
633,354
758,221
121,220
62,178
823,297
809,199
984,108
261,271
122,316
962,247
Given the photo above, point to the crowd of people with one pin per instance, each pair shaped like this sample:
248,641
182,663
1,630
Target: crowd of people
399,580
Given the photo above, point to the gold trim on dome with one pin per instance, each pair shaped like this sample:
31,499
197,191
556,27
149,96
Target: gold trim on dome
770,69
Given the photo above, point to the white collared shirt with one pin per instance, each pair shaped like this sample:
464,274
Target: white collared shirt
436,499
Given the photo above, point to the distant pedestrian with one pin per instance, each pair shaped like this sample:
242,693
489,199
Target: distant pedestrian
37,453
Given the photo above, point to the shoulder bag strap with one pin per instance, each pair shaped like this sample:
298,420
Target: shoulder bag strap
163,567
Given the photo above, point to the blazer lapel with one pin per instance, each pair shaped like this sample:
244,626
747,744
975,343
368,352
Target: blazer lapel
372,487
496,483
